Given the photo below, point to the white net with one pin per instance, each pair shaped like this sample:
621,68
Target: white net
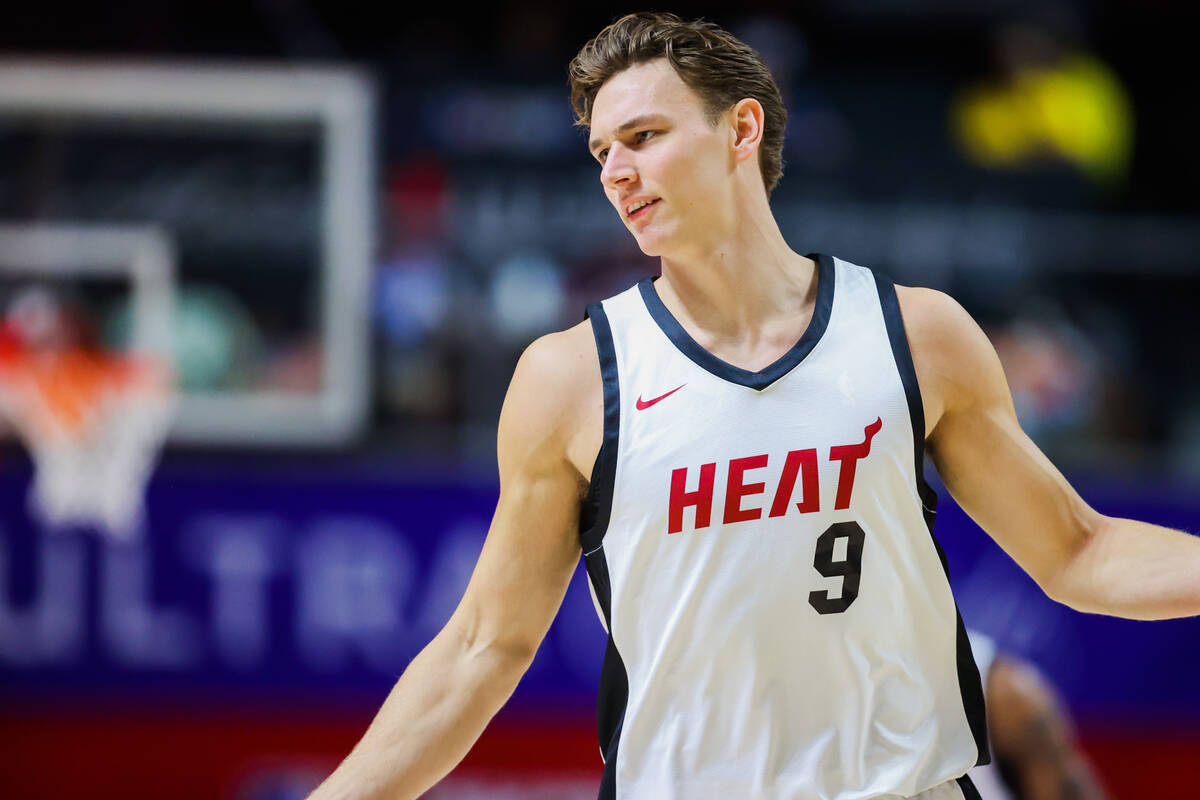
93,426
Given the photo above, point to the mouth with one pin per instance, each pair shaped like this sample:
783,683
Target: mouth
642,211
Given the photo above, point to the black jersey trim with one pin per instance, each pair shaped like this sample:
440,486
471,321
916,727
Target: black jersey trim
968,789
597,503
912,391
613,695
769,374
969,683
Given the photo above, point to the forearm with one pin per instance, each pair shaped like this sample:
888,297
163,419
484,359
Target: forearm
1132,569
432,716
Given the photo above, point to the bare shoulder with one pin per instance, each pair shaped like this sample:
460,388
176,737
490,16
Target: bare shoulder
554,406
955,362
938,327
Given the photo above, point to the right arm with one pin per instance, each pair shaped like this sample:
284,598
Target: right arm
449,692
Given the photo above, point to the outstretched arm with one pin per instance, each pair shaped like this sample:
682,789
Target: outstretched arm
447,695
1078,556
1032,736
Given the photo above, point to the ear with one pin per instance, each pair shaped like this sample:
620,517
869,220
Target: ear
746,118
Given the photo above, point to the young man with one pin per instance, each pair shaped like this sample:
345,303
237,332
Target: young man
736,447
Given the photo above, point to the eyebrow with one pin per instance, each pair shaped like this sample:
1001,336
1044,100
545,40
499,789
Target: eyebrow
641,119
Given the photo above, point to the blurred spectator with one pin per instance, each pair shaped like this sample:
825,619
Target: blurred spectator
217,340
1049,101
1054,371
527,297
1034,752
413,297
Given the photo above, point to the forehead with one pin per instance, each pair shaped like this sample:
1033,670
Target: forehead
651,87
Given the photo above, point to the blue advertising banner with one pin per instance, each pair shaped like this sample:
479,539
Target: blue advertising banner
257,580
318,581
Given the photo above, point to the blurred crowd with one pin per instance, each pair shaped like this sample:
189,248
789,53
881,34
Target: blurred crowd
1020,158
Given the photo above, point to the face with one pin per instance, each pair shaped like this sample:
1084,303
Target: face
655,145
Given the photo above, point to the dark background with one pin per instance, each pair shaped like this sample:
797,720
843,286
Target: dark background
243,645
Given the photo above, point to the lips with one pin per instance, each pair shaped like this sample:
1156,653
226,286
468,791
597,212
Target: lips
643,210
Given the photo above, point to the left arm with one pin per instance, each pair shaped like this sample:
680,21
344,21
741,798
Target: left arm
1078,556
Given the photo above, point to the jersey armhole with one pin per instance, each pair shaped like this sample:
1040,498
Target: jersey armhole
894,322
597,504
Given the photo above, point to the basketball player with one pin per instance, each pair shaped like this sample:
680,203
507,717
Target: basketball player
1034,754
736,450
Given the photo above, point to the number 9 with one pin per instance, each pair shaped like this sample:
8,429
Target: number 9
850,569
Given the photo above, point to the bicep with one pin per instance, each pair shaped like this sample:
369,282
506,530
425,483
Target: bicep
525,566
532,545
990,466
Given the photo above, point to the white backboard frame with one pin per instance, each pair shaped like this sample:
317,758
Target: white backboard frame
341,101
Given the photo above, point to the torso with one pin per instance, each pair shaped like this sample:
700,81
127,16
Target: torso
691,595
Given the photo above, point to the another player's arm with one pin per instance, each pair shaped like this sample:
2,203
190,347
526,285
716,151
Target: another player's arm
441,704
1031,734
1079,557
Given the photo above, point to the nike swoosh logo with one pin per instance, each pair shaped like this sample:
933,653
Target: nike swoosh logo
642,405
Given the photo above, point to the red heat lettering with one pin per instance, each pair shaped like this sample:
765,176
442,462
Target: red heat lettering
702,498
804,462
798,465
849,455
735,490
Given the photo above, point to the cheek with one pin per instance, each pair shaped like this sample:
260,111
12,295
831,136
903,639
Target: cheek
698,164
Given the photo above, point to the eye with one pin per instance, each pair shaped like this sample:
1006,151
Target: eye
638,137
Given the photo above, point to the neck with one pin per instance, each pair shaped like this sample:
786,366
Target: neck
742,285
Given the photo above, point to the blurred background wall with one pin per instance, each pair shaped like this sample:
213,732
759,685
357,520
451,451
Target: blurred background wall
359,216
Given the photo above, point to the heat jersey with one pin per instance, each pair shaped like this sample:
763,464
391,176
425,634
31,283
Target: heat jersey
760,550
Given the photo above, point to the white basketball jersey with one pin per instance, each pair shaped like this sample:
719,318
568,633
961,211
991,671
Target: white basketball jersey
760,549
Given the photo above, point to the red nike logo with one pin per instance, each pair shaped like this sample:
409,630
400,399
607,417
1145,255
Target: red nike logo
642,405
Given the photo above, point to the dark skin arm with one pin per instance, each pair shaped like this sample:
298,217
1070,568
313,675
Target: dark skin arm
1032,737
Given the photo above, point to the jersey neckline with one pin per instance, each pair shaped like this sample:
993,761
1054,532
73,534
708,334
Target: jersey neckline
772,372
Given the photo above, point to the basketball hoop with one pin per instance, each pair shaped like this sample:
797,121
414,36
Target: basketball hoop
93,424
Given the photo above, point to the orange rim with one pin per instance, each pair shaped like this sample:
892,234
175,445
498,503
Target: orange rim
65,393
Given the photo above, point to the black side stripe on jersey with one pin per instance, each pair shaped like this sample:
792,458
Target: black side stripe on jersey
969,683
597,504
613,695
968,789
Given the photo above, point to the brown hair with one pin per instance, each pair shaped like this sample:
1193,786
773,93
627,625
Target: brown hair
712,62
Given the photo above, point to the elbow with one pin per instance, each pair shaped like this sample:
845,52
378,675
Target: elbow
1072,579
495,651
513,656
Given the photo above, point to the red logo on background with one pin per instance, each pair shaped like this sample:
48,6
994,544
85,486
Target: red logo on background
642,405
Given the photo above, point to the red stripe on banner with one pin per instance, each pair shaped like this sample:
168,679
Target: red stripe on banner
234,754
275,755
1140,762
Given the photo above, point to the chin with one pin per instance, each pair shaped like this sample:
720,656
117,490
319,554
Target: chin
651,245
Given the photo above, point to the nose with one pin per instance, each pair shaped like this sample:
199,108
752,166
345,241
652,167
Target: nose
618,166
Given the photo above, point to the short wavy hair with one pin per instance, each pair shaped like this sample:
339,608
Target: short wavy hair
711,61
